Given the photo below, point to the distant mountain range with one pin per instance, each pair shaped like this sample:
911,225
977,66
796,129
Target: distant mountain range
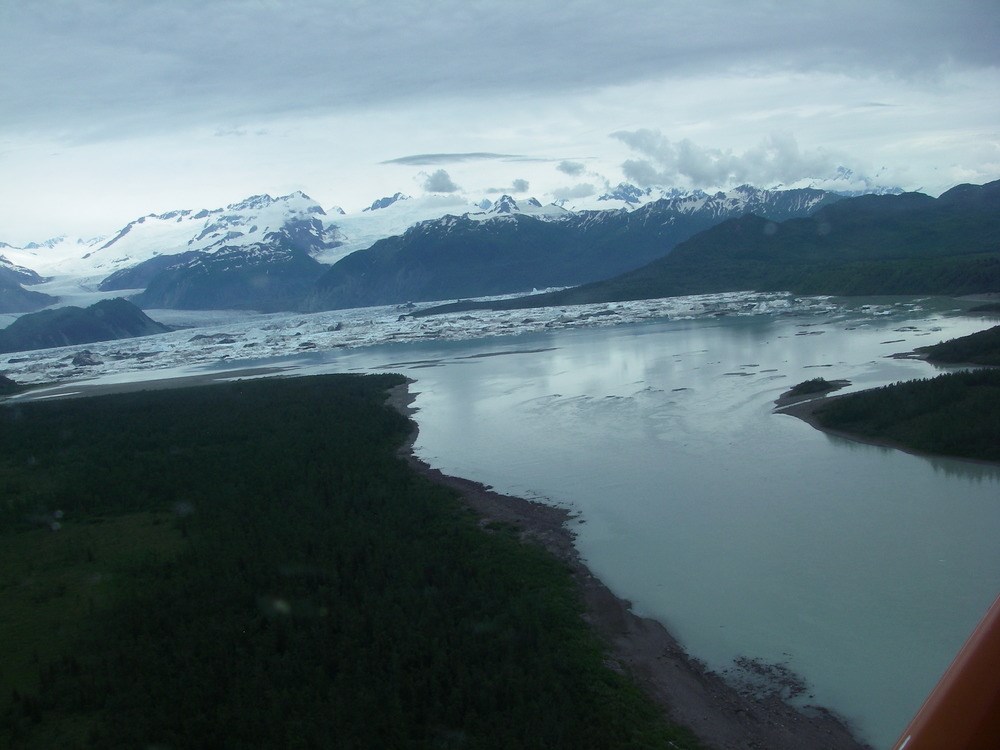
509,248
873,244
274,273
13,296
288,253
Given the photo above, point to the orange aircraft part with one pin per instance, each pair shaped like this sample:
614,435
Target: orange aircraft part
963,710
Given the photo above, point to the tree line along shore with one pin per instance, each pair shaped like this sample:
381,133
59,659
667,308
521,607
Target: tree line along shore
250,564
956,414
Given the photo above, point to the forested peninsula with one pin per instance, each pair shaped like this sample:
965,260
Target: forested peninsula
955,414
251,565
254,564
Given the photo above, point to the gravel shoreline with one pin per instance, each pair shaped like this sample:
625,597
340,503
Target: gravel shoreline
691,695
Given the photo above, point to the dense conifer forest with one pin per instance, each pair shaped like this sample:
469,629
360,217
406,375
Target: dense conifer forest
982,348
957,414
251,565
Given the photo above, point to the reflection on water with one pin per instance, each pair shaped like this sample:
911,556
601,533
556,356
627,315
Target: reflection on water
745,532
975,471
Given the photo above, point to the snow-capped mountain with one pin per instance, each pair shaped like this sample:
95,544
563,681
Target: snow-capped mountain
506,249
386,202
242,224
627,194
256,254
361,230
178,243
18,273
335,234
238,224
746,198
624,196
506,205
848,183
14,298
81,271
48,257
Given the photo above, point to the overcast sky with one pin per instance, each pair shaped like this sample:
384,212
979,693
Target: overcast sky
110,109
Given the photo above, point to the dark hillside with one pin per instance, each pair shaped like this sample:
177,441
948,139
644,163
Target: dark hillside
466,257
264,277
103,321
14,298
887,244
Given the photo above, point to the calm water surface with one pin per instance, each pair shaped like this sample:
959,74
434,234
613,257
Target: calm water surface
747,533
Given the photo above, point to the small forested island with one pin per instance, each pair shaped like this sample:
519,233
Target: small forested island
251,564
815,386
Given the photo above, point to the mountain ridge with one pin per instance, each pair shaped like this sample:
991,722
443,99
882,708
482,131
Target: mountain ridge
65,326
510,251
177,241
908,243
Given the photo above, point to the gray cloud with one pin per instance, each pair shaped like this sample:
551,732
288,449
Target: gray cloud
777,159
572,168
581,190
235,132
94,68
439,182
517,186
423,160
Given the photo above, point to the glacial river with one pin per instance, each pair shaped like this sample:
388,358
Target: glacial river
745,532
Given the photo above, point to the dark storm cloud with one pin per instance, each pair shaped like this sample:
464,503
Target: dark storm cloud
97,68
439,182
